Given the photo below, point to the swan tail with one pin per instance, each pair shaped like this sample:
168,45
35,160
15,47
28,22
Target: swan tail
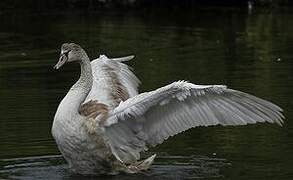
137,166
145,164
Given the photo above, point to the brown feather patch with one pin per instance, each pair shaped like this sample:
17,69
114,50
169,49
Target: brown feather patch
92,109
119,92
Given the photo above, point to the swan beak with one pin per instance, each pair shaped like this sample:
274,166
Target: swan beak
61,62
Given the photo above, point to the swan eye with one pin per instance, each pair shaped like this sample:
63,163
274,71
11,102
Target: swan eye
66,53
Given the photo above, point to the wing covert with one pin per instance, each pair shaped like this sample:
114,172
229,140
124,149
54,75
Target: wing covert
150,118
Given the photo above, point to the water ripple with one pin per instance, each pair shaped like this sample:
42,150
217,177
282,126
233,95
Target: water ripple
166,167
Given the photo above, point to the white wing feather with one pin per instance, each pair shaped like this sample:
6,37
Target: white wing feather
103,82
150,118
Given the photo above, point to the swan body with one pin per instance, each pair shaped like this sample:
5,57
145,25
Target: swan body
102,124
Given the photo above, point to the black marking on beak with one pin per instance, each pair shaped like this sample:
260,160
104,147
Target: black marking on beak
62,60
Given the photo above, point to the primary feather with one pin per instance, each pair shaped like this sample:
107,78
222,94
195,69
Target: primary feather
152,117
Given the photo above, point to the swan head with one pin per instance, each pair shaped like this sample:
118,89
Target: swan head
70,52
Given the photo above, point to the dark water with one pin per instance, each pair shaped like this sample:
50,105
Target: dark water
251,52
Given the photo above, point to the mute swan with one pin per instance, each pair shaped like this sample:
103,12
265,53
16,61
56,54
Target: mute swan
103,124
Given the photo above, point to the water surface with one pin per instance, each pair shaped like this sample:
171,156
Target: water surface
251,52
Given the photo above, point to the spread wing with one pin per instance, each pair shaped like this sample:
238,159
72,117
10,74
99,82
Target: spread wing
150,118
113,81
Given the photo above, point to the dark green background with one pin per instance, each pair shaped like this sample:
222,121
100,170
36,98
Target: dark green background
246,50
98,5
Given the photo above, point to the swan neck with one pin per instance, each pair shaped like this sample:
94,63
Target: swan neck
77,94
85,80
